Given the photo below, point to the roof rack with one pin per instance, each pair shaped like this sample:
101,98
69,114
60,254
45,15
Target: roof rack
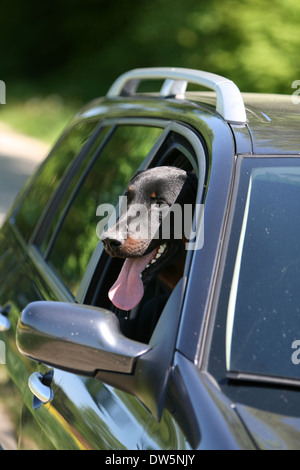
230,104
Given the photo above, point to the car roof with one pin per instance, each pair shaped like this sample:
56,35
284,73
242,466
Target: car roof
273,120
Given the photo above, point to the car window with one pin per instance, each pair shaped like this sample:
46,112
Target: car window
103,183
46,180
178,149
263,271
52,220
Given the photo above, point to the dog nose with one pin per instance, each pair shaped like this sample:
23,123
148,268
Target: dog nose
112,239
113,243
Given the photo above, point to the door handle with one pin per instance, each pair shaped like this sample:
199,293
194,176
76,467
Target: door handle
4,321
40,386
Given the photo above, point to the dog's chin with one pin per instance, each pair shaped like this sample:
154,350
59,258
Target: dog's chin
165,254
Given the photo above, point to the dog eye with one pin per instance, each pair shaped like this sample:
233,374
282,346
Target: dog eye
154,197
156,200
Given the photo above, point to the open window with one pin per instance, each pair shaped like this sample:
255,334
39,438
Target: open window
67,236
179,148
71,237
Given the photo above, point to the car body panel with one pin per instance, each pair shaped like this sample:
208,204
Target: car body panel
77,417
270,431
274,123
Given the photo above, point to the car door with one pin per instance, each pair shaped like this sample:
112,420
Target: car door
71,266
254,348
20,280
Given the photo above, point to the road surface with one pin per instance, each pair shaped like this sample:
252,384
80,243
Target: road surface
19,156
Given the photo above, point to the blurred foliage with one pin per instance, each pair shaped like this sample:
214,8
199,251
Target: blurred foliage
77,48
74,49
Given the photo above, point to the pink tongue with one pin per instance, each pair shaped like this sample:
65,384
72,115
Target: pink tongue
128,289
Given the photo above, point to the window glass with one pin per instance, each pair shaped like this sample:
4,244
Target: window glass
78,173
104,183
263,310
48,177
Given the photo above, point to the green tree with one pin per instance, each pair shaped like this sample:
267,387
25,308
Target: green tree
76,49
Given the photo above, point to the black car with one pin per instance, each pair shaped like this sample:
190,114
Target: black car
221,367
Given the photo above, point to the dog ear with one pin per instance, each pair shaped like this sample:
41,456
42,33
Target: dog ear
189,189
135,175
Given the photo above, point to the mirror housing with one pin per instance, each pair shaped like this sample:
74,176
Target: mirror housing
76,338
87,340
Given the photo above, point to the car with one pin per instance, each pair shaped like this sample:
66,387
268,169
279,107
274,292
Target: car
220,368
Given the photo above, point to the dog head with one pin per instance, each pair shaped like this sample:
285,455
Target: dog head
150,230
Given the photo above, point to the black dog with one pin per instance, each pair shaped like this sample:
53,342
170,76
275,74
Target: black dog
147,254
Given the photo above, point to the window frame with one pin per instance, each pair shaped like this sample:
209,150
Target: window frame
38,258
94,159
197,142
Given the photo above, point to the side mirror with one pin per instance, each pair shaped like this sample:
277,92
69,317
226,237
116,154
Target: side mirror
88,341
76,338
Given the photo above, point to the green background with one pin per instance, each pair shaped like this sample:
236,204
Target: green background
58,54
